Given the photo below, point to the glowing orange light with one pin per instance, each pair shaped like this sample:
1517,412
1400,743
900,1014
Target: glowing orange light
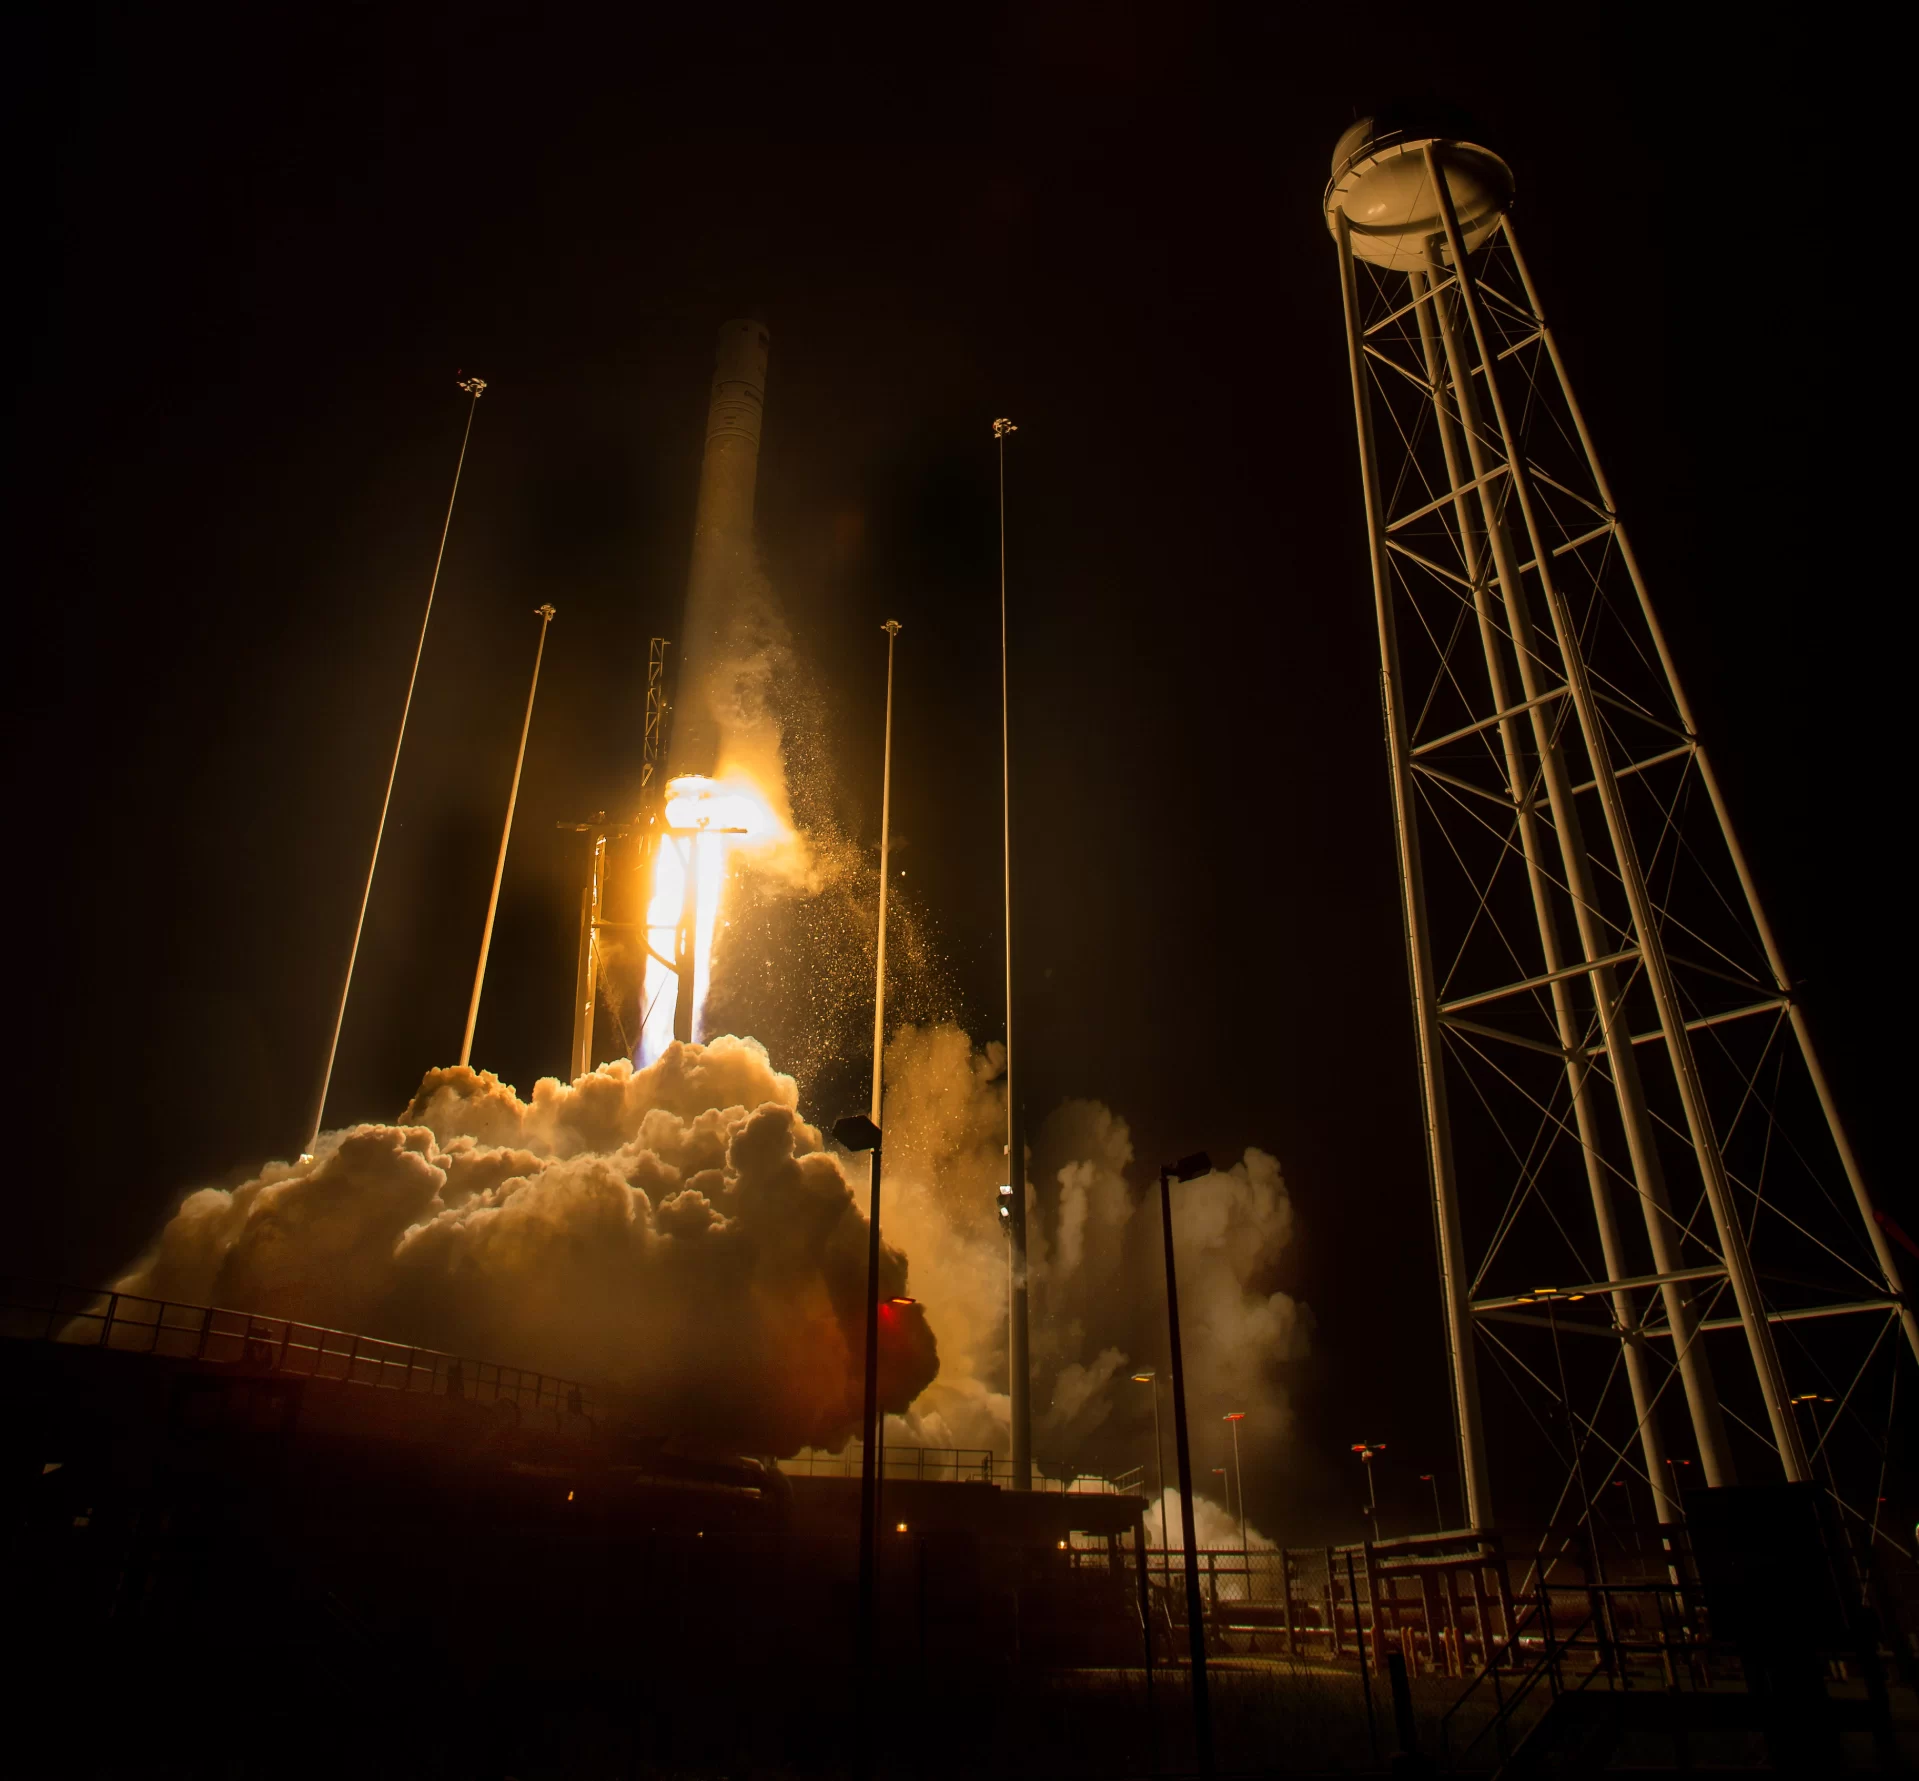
706,819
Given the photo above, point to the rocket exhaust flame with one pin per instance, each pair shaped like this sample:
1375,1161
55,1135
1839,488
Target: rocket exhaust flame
707,822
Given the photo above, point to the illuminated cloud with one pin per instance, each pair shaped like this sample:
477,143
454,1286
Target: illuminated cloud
679,1233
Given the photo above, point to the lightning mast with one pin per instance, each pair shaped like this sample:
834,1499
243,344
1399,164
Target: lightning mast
545,613
1018,1358
473,388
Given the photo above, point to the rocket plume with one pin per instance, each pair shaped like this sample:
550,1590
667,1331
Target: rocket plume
709,823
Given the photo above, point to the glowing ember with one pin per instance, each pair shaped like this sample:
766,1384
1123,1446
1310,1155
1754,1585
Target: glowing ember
706,820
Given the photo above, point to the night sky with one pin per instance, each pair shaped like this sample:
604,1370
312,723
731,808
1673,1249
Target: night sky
253,248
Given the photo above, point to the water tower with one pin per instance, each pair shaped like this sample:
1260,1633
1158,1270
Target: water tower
1629,1135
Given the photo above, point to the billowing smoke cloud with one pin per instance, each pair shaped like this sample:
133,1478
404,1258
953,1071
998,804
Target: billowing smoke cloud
678,1233
1213,1525
1097,1269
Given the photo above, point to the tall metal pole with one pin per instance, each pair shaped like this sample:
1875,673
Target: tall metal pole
1239,1482
1018,1362
545,614
1455,1273
892,630
1159,1452
1195,1611
475,387
586,978
1672,1018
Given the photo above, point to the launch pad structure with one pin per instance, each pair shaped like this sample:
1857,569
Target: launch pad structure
1621,1095
647,827
683,734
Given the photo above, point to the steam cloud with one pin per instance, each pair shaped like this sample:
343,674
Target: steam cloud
678,1231
1096,1267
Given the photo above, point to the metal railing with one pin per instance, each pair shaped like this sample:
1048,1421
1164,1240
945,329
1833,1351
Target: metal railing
966,1465
216,1335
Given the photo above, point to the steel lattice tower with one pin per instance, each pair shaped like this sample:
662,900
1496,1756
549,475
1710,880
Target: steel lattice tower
1620,1088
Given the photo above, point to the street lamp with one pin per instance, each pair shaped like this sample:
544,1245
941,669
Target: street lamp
1235,1418
1366,1450
1549,1296
1810,1399
1188,1168
1149,1377
1439,1515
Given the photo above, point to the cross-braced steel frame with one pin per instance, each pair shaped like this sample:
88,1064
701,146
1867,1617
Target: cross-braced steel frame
1621,1095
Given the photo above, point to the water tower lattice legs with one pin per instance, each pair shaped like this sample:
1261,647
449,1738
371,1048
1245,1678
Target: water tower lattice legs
1601,1013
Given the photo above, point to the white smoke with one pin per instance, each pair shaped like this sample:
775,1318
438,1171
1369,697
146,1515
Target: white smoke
1096,1267
1215,1528
678,1233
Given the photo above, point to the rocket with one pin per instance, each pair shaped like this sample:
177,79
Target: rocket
722,574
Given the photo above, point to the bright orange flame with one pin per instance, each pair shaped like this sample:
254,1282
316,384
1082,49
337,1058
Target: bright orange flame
706,819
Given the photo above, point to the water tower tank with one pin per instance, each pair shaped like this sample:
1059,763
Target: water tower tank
1380,181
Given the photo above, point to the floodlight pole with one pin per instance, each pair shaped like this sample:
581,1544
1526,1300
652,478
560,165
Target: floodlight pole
474,388
1185,1170
1018,1360
1366,1450
545,614
892,630
1159,1453
1234,1418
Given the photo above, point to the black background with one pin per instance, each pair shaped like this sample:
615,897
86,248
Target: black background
255,246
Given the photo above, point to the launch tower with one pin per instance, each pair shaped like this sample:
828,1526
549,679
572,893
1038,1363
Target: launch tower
1621,1095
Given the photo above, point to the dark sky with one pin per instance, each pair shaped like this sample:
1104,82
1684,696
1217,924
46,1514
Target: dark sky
254,246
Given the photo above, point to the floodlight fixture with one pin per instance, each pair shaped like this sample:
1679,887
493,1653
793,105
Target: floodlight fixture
856,1132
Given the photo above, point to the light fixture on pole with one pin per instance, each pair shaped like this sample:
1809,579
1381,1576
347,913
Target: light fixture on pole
545,614
1149,1377
1188,1168
1234,1418
1366,1450
1549,1296
1439,1515
473,388
1018,1360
